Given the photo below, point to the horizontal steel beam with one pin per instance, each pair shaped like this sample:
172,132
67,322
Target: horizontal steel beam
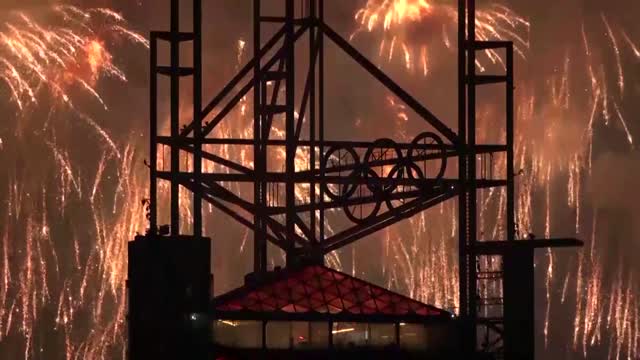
481,148
381,221
501,247
358,200
282,178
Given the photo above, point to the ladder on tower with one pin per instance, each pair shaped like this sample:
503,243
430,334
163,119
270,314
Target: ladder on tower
482,275
489,274
274,95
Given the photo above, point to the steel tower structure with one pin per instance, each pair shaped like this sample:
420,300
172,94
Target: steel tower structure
374,183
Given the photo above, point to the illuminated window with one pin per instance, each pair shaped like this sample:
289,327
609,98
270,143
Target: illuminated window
240,334
349,334
413,336
278,335
300,334
319,335
297,334
382,334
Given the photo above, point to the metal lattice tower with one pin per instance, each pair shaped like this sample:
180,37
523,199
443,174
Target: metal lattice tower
472,304
346,175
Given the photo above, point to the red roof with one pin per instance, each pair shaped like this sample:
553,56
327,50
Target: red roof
319,289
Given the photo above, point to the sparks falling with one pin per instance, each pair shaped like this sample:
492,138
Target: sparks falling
555,131
66,58
52,63
37,57
419,29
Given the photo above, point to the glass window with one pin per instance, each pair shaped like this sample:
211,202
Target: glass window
413,336
382,334
278,335
240,334
349,334
319,335
441,336
300,334
296,334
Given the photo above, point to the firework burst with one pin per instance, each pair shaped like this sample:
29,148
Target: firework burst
419,29
64,57
52,63
35,57
558,113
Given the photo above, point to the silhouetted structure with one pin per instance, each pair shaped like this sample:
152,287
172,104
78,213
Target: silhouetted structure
302,308
169,293
315,310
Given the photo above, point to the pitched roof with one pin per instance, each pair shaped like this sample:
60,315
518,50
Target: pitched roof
320,290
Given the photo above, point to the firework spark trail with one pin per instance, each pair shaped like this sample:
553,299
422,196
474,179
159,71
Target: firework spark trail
614,44
590,284
631,44
543,167
393,17
426,250
58,63
396,18
34,56
559,111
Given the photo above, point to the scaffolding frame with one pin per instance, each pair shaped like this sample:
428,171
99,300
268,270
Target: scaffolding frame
297,227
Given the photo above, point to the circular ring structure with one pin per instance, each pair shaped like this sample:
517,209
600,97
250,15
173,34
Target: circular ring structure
426,147
355,212
379,151
337,158
401,171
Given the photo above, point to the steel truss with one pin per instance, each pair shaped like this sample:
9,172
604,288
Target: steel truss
484,311
376,184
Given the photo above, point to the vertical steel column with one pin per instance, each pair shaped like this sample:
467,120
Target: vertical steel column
511,222
321,114
290,139
153,134
260,244
471,168
265,122
462,165
467,207
175,116
197,117
312,113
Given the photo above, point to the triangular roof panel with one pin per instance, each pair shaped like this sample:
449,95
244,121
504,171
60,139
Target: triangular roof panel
315,289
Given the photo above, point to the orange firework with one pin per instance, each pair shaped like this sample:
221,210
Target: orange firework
55,59
39,61
414,27
554,146
36,56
